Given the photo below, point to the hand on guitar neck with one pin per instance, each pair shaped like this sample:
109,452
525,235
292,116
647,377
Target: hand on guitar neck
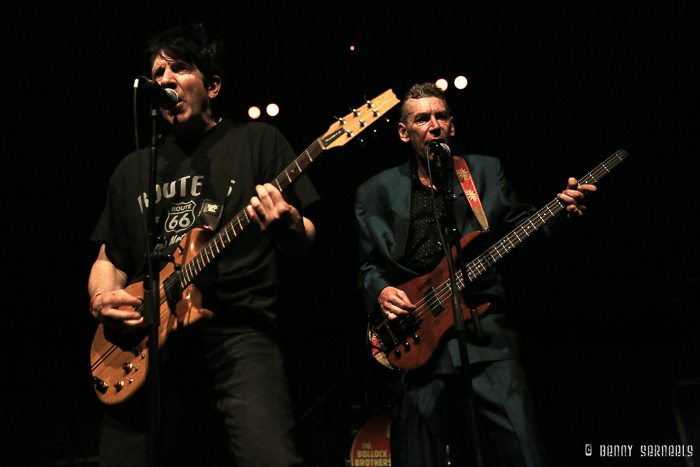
574,197
292,232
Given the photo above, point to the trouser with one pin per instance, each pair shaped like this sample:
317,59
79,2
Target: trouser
225,401
428,414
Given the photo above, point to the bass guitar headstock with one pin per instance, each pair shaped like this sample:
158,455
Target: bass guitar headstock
346,128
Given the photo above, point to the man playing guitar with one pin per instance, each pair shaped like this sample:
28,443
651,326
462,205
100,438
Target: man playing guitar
399,241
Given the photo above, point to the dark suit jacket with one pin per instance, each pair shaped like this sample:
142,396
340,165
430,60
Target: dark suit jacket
382,209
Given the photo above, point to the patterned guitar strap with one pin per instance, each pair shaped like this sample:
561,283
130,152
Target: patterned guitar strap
465,179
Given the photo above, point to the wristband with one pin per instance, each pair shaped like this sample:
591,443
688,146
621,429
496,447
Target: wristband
92,302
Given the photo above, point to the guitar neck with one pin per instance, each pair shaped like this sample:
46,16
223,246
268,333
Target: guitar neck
501,248
240,221
337,134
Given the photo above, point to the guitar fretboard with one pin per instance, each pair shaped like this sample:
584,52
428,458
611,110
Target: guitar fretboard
501,248
228,233
337,135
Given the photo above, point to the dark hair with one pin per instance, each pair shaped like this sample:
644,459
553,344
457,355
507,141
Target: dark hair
189,45
420,91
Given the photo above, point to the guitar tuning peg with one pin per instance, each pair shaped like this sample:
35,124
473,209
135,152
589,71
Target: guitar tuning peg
369,104
354,112
341,122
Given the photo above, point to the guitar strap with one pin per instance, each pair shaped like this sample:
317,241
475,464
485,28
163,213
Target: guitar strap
465,179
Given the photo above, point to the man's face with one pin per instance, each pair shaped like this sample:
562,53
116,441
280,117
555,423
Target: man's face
188,82
428,120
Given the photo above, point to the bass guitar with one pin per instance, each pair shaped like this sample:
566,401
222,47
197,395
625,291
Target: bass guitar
120,359
410,341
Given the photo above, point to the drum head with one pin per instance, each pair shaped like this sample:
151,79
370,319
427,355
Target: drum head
371,444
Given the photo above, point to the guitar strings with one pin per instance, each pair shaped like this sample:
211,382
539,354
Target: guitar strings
486,260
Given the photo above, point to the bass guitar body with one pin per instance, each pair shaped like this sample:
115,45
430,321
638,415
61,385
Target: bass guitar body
410,341
119,359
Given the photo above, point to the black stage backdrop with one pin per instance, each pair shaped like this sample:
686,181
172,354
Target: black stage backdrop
608,313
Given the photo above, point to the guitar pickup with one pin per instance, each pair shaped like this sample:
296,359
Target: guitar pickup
434,303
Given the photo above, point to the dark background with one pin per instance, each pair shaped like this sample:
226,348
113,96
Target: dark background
608,313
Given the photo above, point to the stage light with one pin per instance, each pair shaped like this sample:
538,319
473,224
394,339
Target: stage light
441,84
461,82
254,112
272,110
352,47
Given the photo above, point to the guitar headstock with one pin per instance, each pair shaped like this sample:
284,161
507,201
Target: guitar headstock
356,121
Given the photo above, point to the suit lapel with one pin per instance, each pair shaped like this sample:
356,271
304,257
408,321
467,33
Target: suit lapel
400,203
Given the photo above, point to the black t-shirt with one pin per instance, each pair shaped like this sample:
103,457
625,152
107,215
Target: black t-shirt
238,155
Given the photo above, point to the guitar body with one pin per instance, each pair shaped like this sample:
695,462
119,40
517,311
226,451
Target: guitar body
119,359
409,342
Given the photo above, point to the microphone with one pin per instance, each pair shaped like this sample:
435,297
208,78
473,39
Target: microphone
439,149
165,98
441,152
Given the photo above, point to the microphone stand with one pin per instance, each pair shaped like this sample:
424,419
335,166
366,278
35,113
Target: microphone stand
449,238
152,304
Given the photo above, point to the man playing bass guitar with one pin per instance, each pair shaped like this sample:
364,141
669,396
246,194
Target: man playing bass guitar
399,241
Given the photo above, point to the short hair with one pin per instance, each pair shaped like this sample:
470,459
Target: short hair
420,91
189,45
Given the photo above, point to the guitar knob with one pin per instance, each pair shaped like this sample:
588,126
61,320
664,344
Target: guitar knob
407,346
100,384
127,367
397,352
119,386
416,338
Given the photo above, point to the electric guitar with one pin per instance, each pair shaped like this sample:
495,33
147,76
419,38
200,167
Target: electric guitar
119,358
410,341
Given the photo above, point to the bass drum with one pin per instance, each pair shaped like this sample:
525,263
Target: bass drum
371,444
